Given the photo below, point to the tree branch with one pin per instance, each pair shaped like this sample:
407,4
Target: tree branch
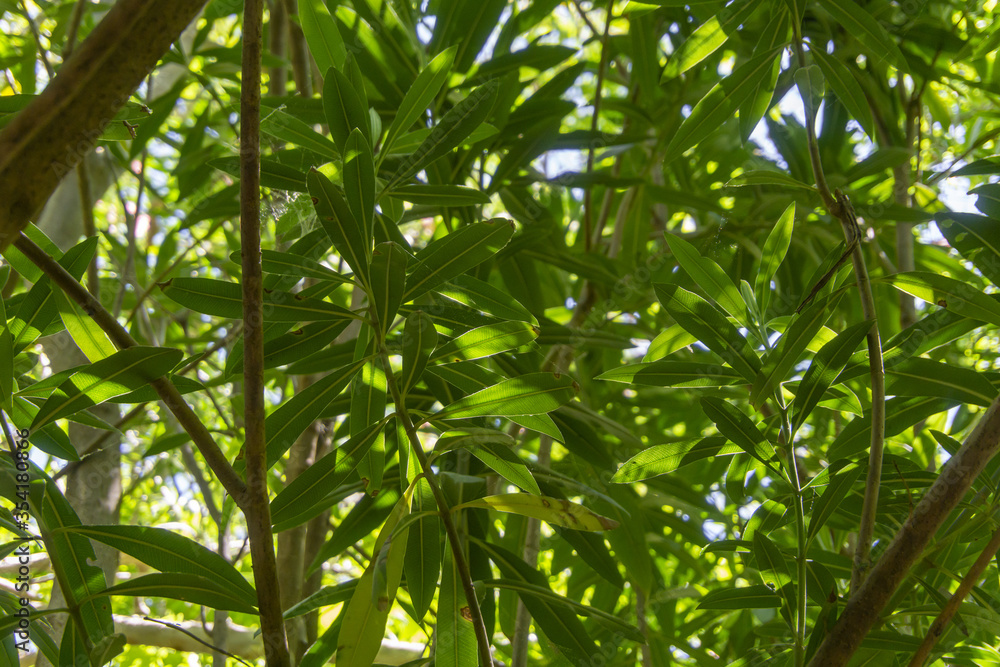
51,135
957,475
256,505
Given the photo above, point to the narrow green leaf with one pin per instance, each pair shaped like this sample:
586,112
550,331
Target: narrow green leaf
456,638
419,96
486,341
976,237
440,195
455,254
501,460
708,325
773,569
708,37
327,474
673,374
949,293
368,399
451,131
662,459
225,299
838,488
555,511
288,128
757,596
273,174
824,369
793,342
171,553
290,264
710,277
344,229
767,177
846,87
736,426
924,377
366,614
720,102
811,86
324,597
902,412
322,35
773,253
286,424
419,339
116,375
192,588
531,394
388,280
359,181
89,337
858,22
422,563
483,296
343,109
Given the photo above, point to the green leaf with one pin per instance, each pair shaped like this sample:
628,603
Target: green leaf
455,254
811,86
359,180
556,619
440,195
757,596
773,253
322,35
225,299
422,563
976,237
901,412
824,369
708,37
555,511
388,280
856,21
273,174
955,295
366,614
419,339
292,346
192,588
287,423
736,426
828,503
288,128
531,394
322,477
89,337
710,277
419,96
451,131
708,325
720,102
662,459
368,398
343,108
290,264
846,87
483,296
456,638
501,460
767,177
924,377
171,553
486,341
324,597
348,235
793,342
116,375
673,374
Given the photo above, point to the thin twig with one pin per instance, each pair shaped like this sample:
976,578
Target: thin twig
197,639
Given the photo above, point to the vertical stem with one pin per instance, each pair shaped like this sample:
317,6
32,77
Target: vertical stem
800,535
461,564
588,195
257,507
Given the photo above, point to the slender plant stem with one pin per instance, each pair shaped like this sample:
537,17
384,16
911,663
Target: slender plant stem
840,207
587,195
461,564
948,611
800,535
257,510
167,392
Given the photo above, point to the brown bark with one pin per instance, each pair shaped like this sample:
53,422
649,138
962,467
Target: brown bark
863,609
48,138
